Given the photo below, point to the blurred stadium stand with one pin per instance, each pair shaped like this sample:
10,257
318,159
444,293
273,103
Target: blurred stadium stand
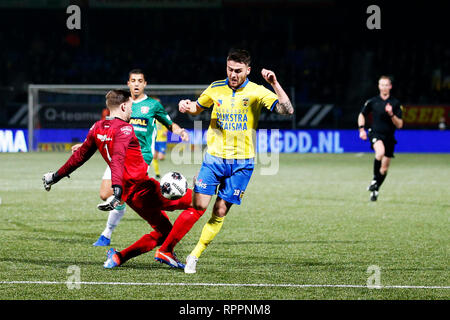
323,49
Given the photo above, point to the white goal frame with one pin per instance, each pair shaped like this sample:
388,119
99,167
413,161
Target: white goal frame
100,89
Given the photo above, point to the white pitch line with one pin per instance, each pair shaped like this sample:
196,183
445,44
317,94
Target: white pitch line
224,284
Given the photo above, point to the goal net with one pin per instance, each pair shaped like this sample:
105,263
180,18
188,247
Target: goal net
61,115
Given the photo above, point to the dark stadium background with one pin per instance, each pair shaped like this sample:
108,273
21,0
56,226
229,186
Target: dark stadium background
321,48
307,229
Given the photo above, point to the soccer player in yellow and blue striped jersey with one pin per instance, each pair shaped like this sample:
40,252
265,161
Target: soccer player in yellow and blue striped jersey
228,164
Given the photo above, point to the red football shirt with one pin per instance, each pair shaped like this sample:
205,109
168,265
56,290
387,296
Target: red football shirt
118,145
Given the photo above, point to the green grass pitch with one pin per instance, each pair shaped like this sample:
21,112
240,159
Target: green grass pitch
310,224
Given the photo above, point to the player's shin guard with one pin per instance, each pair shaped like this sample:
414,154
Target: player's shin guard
210,230
181,226
113,220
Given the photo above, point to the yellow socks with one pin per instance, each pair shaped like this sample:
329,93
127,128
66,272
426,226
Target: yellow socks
155,164
210,230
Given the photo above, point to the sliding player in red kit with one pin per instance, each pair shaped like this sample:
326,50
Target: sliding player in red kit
115,139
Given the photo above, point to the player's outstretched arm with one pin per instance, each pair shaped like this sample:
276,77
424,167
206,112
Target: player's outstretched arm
75,147
189,107
284,105
175,128
49,179
77,159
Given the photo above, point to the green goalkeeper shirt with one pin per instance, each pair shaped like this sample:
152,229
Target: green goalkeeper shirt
144,114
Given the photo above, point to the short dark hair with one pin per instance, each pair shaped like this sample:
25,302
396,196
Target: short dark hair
385,77
115,98
239,55
136,71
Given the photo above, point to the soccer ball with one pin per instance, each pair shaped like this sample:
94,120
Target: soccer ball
173,185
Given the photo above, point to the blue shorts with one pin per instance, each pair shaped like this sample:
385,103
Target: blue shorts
231,176
161,146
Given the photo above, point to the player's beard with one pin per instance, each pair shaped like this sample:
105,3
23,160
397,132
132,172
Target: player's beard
234,83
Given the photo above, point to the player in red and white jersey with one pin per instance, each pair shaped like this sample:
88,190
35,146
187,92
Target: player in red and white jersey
119,147
115,139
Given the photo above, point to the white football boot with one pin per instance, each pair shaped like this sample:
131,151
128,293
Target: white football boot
191,264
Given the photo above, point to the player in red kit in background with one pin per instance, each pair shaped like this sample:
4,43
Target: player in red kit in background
115,139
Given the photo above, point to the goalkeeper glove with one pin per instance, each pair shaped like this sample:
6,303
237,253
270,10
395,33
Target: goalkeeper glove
113,201
50,178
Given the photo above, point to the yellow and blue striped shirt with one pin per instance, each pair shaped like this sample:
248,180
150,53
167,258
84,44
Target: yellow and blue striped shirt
234,117
161,135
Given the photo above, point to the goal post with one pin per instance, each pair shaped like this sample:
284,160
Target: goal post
85,97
